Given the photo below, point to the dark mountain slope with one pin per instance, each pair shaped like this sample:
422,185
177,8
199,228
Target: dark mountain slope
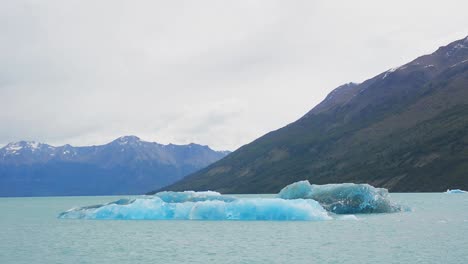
405,129
127,165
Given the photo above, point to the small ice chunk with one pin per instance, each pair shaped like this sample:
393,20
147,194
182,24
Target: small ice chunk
455,191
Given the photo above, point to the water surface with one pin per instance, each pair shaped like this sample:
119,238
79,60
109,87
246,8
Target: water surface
436,231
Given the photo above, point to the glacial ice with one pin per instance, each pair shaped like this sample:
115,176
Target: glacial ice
297,201
155,208
345,198
455,191
191,196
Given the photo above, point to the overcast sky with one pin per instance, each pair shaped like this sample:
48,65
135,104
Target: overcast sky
218,73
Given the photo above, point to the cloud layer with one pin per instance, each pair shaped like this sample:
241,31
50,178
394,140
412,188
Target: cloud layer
220,73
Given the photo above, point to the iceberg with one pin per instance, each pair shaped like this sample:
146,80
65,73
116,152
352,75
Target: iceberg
345,198
300,201
455,191
179,208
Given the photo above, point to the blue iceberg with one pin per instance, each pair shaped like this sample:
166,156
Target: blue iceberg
297,201
178,208
345,198
455,191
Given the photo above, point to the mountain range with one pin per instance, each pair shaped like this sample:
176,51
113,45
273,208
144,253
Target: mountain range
405,129
126,165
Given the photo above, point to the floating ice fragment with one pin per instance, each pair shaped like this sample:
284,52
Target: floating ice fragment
346,198
455,191
154,208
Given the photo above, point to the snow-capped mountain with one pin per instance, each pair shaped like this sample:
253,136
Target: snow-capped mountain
127,165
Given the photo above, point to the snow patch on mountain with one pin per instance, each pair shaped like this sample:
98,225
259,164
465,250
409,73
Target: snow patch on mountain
456,64
13,147
389,71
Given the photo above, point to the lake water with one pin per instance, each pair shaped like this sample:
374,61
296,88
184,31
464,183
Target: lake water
435,231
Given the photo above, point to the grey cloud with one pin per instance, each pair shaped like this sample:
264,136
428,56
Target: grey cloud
220,73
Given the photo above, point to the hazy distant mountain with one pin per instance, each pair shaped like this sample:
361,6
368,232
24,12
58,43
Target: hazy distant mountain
127,165
405,129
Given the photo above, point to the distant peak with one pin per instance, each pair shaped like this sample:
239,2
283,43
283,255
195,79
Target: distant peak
128,139
15,146
19,146
24,144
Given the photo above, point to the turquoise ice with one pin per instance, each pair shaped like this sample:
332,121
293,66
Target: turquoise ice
345,198
191,196
455,191
154,208
298,201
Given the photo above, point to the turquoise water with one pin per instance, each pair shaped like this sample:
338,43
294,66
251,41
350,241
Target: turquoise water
436,231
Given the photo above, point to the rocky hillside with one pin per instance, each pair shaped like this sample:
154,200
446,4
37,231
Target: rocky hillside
405,129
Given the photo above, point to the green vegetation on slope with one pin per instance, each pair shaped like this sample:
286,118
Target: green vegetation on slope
405,129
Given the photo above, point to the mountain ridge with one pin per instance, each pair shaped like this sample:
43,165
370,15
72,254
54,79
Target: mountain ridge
401,129
127,165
